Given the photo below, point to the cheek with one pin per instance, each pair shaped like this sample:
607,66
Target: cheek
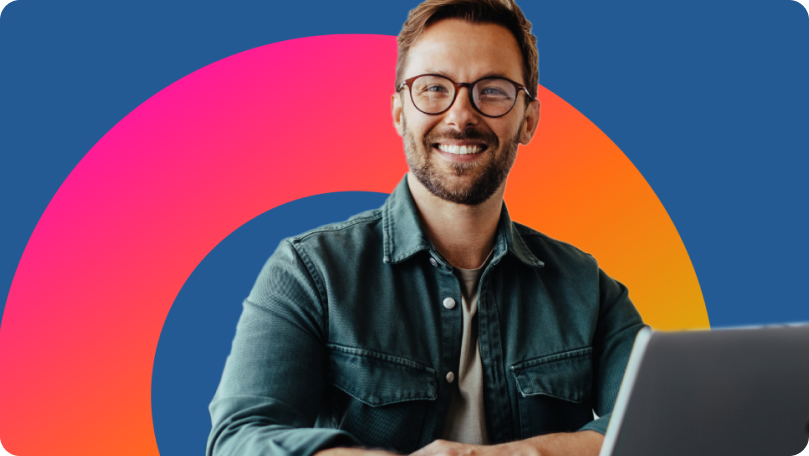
416,128
511,131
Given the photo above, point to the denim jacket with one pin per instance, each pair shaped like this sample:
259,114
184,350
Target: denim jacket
345,341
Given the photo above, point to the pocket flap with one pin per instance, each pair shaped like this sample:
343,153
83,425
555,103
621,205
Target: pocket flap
377,379
566,375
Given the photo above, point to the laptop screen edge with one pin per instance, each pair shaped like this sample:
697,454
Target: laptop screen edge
631,373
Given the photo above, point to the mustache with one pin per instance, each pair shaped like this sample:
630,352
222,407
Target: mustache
469,134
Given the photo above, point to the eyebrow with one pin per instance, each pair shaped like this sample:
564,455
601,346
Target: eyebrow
491,74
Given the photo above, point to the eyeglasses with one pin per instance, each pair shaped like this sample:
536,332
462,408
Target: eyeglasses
492,96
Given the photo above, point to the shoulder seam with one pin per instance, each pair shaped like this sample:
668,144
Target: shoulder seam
321,291
528,231
338,226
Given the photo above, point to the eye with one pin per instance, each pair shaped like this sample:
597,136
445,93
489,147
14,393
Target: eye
492,91
435,88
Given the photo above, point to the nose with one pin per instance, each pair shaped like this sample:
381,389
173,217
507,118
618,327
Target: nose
461,114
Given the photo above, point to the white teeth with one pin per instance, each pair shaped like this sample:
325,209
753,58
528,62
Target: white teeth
459,150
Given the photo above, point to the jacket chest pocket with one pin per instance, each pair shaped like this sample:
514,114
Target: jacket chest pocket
380,399
554,392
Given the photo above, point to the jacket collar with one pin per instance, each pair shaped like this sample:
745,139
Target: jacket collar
403,235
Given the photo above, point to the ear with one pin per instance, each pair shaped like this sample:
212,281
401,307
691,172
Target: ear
530,122
396,110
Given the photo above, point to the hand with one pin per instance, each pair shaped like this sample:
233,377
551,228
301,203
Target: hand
584,443
352,452
447,448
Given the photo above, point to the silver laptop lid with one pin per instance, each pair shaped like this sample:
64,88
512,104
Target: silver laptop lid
728,391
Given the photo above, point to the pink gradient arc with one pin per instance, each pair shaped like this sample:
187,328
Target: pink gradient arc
163,187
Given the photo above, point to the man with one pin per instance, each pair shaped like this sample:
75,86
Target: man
433,325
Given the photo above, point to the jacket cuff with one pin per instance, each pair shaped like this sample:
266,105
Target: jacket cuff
306,442
599,425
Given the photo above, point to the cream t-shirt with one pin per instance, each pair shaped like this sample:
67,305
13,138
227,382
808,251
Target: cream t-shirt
466,418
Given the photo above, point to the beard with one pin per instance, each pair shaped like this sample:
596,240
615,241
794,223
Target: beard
487,178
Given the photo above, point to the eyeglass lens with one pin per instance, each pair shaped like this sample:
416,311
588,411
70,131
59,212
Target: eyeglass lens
492,96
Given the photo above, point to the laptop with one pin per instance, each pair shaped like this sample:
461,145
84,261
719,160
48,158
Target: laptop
722,392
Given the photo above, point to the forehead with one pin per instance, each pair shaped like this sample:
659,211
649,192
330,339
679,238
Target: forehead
465,51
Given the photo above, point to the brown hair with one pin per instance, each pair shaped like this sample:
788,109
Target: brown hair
500,12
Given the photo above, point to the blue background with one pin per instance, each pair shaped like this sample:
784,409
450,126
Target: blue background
198,331
709,99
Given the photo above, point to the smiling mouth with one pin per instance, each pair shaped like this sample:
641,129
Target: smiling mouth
461,150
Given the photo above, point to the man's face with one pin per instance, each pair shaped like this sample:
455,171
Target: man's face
464,52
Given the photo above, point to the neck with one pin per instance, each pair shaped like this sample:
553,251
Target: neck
462,234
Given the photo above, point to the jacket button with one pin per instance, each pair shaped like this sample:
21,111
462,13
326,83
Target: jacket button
450,377
433,262
449,303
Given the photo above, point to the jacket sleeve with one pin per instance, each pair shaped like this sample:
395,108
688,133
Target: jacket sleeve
618,325
272,385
